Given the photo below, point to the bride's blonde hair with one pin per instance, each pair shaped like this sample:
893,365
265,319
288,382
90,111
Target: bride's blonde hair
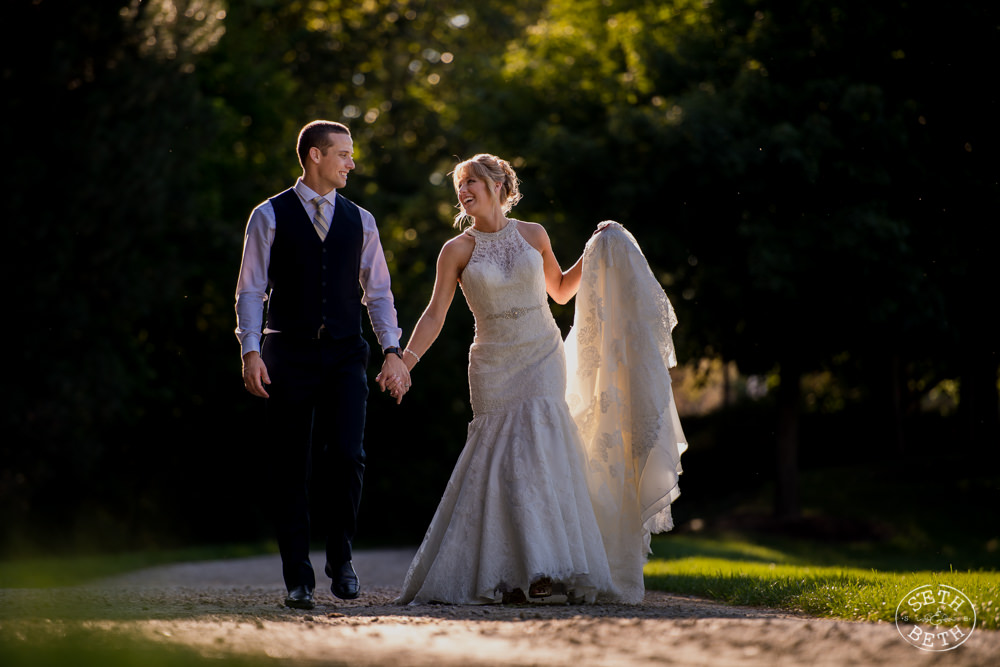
490,169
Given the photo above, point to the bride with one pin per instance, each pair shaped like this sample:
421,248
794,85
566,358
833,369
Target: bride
534,510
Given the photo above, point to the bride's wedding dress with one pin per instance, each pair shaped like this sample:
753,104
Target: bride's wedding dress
520,504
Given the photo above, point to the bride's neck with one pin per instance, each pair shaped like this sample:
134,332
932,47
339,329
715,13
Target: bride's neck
490,223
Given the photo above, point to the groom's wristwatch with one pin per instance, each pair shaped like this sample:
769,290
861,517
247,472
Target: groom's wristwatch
393,350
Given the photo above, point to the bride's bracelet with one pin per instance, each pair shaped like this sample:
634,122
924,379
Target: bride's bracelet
413,353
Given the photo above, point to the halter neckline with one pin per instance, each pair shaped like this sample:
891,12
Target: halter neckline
500,233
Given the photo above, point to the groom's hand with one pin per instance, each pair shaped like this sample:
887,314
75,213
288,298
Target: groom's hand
255,374
395,377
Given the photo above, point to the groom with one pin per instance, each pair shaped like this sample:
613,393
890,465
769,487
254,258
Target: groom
308,253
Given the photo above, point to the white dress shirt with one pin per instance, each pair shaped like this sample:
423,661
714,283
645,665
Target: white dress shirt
251,288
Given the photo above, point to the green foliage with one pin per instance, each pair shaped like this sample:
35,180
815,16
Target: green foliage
808,178
27,645
60,571
111,280
764,148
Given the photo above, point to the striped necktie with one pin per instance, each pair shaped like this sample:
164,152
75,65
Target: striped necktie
319,221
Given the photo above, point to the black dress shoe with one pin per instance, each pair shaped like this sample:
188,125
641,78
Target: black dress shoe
345,581
300,597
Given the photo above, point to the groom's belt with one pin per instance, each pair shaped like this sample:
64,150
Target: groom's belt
322,333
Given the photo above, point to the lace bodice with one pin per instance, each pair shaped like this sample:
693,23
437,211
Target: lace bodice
517,351
503,282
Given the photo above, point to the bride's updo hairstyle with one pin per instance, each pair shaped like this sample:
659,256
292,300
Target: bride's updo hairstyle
490,169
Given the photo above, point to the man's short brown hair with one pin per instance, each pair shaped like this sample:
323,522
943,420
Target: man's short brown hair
317,133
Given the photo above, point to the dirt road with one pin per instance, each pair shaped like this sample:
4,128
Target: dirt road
225,607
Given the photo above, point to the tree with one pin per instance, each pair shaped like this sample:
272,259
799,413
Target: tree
769,158
165,123
807,179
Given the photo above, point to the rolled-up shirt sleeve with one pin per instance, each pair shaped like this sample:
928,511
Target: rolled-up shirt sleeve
251,287
376,285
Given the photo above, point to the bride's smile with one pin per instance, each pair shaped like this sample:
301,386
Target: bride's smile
474,197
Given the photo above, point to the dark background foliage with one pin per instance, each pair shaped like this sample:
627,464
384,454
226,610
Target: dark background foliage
816,184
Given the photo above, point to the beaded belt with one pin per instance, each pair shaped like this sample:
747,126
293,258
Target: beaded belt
513,313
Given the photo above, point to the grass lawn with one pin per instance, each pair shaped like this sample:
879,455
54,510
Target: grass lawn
870,532
55,571
91,647
798,575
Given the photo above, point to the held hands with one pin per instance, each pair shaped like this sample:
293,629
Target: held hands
255,374
394,378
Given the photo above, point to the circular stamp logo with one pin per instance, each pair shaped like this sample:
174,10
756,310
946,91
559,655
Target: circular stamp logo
935,617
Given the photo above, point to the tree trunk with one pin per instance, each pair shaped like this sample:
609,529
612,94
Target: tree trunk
786,499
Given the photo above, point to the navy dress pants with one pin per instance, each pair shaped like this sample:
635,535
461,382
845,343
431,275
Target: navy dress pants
315,420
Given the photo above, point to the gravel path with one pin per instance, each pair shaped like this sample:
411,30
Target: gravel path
234,606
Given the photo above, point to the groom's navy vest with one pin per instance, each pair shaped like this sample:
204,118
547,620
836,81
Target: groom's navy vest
314,282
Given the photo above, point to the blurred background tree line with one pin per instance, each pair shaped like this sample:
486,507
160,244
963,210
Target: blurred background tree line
814,183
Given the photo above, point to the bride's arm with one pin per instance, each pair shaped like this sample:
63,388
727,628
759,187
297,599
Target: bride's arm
453,258
561,285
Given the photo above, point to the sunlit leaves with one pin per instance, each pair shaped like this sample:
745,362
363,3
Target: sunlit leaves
172,28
